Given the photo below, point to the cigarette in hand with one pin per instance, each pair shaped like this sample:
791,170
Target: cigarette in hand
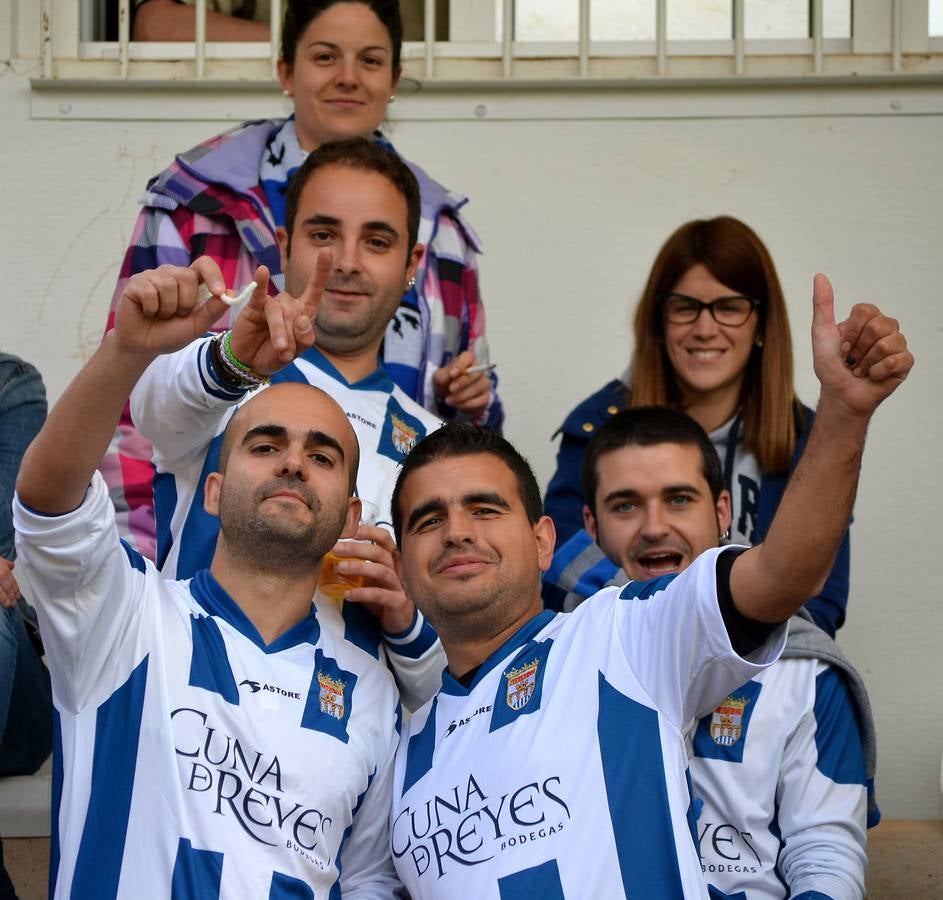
474,370
205,293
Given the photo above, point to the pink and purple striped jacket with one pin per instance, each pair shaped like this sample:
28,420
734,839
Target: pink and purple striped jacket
210,202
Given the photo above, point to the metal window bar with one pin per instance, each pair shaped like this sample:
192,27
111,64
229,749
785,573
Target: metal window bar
275,22
507,38
45,36
896,35
584,34
818,28
661,37
200,39
124,36
213,60
428,34
738,37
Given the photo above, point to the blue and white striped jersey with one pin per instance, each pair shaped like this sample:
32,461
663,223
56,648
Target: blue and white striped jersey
182,407
561,771
191,760
779,776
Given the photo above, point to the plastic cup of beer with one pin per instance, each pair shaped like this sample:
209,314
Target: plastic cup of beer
334,584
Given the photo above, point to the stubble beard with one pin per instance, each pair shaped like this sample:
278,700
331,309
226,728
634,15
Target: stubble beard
350,334
491,610
279,544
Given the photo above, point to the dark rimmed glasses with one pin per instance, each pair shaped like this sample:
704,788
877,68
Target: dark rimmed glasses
680,309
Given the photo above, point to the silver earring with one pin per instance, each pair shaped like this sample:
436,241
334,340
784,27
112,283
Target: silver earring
410,284
286,93
392,97
725,536
758,342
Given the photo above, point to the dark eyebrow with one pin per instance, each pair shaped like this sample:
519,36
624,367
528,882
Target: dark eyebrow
313,438
487,498
272,431
667,491
320,439
620,494
337,46
436,504
379,225
420,512
375,225
320,219
680,489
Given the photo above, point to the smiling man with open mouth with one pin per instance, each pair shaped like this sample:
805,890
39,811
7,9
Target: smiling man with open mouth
655,493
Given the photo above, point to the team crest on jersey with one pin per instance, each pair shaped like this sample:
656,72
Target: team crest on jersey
403,436
330,701
521,684
727,721
401,431
331,695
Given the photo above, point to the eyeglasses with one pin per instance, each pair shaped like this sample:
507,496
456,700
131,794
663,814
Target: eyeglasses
679,309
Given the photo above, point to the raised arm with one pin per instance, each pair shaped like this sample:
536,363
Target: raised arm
859,363
158,313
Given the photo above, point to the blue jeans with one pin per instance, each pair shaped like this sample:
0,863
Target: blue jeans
25,699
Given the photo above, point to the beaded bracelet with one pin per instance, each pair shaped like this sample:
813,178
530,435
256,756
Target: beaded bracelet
232,370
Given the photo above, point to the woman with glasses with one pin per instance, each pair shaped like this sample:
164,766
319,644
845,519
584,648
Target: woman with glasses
340,67
711,339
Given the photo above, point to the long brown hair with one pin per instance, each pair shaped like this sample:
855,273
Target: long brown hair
733,253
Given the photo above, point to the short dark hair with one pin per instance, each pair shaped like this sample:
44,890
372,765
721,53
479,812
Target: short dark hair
367,156
300,13
645,426
463,439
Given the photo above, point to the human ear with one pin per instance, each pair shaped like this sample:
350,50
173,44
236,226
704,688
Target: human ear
546,537
211,491
286,77
724,515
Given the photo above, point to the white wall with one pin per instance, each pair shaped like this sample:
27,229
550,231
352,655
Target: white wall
571,214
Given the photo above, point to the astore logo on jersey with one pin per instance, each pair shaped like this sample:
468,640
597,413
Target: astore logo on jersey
464,720
468,827
255,686
246,785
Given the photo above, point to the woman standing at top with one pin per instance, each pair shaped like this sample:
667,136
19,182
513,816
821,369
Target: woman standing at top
340,65
711,339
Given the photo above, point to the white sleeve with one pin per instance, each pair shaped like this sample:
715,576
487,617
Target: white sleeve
822,796
179,404
675,640
367,871
92,596
417,660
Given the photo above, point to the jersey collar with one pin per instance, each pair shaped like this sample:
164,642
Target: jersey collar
450,685
377,380
211,596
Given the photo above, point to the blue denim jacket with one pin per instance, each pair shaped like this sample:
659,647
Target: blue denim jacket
22,413
25,696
